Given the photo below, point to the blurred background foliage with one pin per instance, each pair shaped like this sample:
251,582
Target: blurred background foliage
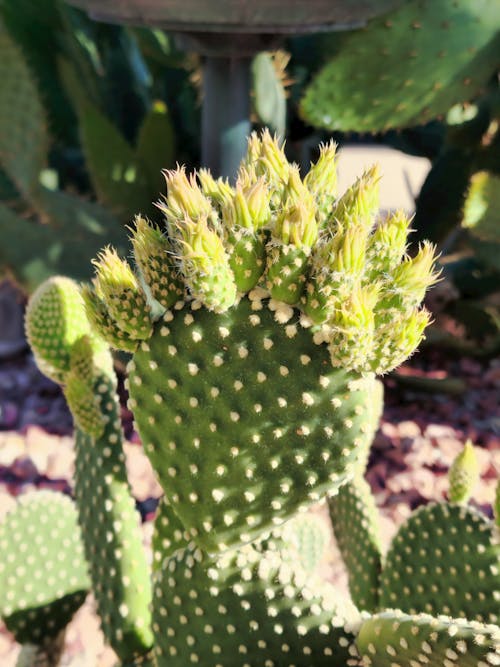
90,113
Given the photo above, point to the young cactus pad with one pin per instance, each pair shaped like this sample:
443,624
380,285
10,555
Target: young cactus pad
257,397
43,573
250,606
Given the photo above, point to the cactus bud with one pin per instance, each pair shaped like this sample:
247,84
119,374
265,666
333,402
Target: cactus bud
388,243
205,264
398,338
360,202
100,320
154,257
463,475
296,226
414,275
218,189
272,161
184,197
321,180
116,284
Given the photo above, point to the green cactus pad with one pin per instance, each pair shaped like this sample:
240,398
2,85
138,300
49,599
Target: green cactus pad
169,533
355,523
251,606
394,639
43,574
444,560
407,67
55,320
243,417
463,475
112,539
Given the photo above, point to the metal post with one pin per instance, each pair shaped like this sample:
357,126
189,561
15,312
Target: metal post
225,113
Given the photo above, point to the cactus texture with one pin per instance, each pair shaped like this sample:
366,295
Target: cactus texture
59,333
355,523
444,560
407,67
254,390
394,639
43,574
463,475
253,605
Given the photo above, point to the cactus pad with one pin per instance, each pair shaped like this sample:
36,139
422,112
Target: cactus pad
245,415
394,639
444,560
55,320
251,606
43,574
355,524
407,67
112,538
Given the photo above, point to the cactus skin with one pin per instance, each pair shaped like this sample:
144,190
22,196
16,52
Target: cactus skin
406,67
43,573
444,560
391,639
260,437
106,509
356,527
253,605
463,475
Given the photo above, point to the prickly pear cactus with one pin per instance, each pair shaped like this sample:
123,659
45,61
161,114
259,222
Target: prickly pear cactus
407,67
444,560
253,390
463,475
356,526
43,573
394,639
253,605
60,335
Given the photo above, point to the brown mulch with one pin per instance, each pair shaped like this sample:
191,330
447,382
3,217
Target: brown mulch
419,436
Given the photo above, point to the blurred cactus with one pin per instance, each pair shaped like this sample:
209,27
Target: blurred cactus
406,67
463,475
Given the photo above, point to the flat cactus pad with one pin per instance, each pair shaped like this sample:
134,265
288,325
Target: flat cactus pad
444,560
394,639
244,419
43,574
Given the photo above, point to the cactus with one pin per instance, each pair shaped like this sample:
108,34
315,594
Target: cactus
355,524
393,638
269,373
463,475
250,410
43,574
406,67
249,606
60,337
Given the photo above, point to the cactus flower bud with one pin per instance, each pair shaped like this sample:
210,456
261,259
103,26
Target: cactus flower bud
463,475
116,284
272,161
184,197
100,320
360,203
414,275
218,189
322,177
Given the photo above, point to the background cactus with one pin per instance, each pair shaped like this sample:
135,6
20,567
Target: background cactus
43,574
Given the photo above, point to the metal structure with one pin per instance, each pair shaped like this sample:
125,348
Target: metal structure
227,33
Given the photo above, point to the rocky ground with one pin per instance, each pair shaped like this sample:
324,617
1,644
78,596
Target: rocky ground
419,435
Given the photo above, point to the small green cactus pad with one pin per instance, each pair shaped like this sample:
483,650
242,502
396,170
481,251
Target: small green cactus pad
394,639
354,517
43,574
407,67
444,560
251,606
112,538
55,320
241,415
